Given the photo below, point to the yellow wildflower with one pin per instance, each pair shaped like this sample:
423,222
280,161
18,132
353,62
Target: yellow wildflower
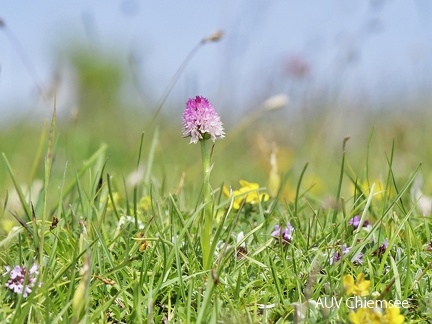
365,187
365,316
145,204
374,314
249,193
361,288
392,315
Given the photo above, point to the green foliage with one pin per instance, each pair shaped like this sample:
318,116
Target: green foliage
99,79
115,230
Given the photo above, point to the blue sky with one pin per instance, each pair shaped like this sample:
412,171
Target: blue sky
390,43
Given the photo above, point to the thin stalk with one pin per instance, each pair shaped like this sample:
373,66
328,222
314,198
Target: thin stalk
214,37
207,217
339,189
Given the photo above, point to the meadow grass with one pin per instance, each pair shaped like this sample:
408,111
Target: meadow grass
116,246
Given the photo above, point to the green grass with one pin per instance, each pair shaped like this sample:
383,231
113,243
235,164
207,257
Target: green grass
97,265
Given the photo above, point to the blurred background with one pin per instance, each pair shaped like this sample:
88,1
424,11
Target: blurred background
356,68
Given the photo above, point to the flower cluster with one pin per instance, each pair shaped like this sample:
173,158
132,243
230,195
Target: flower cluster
17,277
336,256
360,288
376,315
200,121
247,193
355,222
371,311
284,235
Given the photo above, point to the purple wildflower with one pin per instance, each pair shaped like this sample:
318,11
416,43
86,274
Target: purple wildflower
381,250
358,258
200,121
285,234
17,276
336,256
355,222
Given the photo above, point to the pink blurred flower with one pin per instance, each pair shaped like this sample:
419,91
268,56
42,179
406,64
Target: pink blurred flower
297,66
200,121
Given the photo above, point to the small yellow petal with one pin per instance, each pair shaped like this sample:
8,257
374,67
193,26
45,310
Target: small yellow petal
244,183
362,286
348,284
253,186
393,315
237,193
252,198
236,204
226,191
264,197
354,318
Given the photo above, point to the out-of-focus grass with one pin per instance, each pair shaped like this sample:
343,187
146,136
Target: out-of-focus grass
311,134
316,140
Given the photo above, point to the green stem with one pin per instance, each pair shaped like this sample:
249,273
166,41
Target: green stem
207,217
